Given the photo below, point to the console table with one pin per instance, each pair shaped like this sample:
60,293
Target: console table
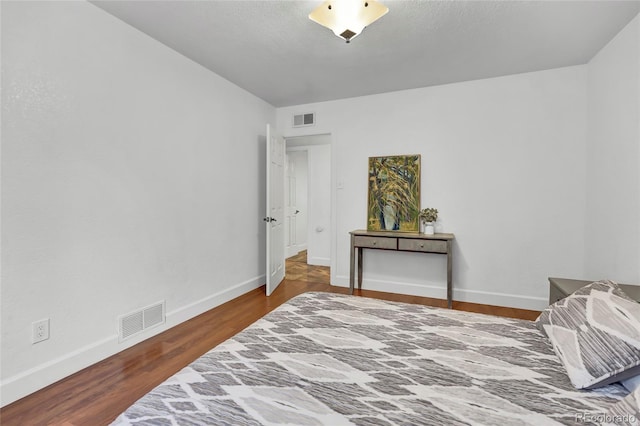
399,241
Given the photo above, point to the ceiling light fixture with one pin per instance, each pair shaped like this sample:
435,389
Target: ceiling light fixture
347,18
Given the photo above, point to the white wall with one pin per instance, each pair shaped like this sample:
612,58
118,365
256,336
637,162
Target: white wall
130,175
502,160
613,159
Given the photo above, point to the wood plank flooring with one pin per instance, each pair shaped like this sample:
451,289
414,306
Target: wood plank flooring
97,394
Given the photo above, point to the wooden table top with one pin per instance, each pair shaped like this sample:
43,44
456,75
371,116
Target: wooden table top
396,234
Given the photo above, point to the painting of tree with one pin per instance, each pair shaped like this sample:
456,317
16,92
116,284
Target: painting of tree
394,193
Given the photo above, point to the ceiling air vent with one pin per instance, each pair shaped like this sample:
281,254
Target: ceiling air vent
302,120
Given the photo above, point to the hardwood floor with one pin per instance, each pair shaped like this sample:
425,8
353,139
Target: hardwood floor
97,394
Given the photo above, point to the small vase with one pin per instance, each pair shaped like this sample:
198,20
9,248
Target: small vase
429,228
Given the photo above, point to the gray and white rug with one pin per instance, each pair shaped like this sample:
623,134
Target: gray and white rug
329,359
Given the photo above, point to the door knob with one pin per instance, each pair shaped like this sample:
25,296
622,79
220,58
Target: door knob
269,219
297,211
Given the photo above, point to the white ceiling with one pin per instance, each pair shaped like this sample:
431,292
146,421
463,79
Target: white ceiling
273,50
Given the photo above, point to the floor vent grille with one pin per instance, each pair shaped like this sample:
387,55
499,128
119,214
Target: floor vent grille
140,320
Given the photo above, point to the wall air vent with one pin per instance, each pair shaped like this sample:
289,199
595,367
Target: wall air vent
136,322
302,120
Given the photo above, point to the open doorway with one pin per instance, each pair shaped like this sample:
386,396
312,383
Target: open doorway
308,199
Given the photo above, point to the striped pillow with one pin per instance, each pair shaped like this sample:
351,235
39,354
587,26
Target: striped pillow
596,334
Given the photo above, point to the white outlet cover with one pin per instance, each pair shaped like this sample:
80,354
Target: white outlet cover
40,330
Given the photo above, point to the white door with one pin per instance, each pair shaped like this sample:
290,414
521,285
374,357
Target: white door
291,247
275,210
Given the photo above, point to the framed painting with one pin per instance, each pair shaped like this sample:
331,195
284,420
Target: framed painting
394,193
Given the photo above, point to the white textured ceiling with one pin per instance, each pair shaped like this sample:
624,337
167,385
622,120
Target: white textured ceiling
273,50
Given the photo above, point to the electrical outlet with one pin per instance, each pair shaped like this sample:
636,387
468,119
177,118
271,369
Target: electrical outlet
40,330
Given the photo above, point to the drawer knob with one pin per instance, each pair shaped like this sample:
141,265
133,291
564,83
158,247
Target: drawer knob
374,242
421,245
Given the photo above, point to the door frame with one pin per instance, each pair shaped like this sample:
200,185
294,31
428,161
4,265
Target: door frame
333,231
298,247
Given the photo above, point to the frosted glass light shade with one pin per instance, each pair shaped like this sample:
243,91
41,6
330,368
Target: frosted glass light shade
347,18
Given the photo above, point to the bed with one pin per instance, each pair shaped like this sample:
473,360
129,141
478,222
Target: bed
331,359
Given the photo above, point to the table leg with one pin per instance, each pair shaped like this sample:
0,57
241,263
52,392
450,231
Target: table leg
359,268
449,276
352,268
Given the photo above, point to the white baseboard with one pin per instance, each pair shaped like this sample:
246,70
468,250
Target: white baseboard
319,261
294,250
501,299
185,313
439,291
38,377
290,251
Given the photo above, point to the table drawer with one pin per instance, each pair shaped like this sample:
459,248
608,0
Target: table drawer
430,246
377,242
